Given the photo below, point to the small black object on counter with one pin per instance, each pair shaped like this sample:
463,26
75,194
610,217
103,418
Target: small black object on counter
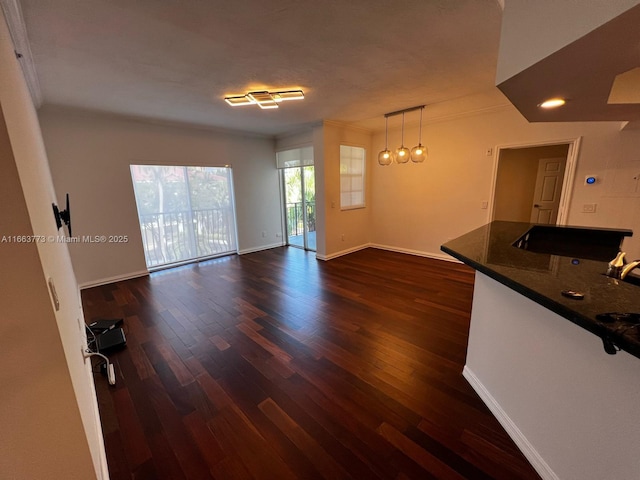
572,294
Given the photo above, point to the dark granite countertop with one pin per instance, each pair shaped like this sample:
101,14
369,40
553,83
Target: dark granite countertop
541,277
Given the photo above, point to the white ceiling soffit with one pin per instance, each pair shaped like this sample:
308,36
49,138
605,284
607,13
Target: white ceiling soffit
176,60
583,73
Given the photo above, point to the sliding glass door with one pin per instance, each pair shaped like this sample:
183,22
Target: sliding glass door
300,196
185,213
299,188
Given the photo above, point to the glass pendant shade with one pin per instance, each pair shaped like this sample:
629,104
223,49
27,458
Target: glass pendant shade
402,155
385,157
419,153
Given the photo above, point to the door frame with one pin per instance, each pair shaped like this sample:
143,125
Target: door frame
305,232
567,182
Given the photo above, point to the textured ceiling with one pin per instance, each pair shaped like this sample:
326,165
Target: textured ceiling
175,60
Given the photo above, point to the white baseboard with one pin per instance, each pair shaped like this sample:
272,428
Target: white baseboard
536,461
418,253
118,278
437,256
342,252
102,469
259,249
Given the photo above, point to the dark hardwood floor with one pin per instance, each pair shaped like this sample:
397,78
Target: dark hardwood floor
274,365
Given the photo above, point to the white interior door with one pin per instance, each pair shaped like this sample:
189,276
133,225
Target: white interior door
546,198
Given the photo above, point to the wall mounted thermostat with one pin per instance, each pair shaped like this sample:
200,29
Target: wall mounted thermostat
590,179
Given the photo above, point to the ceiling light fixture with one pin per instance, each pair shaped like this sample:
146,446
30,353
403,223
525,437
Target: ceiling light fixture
385,157
553,103
402,153
417,154
264,99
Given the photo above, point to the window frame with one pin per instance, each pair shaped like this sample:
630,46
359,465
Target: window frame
363,176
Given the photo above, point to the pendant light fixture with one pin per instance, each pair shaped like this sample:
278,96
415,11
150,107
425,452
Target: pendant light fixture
385,157
403,153
419,152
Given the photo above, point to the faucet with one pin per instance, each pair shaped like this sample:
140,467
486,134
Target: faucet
619,268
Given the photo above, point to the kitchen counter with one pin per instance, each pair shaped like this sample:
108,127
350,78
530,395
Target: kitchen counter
542,277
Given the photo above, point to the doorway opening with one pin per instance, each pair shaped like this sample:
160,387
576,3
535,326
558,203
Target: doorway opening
300,206
533,183
298,183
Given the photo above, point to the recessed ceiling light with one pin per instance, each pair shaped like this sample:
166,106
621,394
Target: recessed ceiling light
552,103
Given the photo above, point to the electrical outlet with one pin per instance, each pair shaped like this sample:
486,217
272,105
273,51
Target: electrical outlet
589,208
278,235
489,152
484,205
264,234
342,237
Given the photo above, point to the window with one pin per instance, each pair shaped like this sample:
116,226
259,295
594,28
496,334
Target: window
185,213
352,168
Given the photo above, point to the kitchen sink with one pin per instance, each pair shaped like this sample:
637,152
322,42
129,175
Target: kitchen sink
568,241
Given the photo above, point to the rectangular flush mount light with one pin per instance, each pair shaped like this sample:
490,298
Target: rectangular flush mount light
265,99
288,95
238,100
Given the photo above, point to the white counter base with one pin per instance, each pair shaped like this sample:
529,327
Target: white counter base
572,409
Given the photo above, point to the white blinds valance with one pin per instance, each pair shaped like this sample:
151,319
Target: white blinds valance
296,157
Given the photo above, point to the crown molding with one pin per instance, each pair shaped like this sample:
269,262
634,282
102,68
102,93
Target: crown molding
18,31
350,126
73,111
468,113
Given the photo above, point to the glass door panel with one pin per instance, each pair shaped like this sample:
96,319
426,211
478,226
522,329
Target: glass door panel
185,213
293,202
299,192
309,185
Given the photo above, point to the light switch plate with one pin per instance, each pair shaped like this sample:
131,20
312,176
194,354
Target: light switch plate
54,294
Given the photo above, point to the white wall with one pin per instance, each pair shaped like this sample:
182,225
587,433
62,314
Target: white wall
48,409
90,155
412,208
417,207
300,138
571,407
352,225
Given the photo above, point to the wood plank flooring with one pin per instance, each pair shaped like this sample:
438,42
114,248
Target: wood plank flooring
274,365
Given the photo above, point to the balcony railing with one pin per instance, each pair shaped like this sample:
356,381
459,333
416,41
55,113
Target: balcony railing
178,236
295,218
